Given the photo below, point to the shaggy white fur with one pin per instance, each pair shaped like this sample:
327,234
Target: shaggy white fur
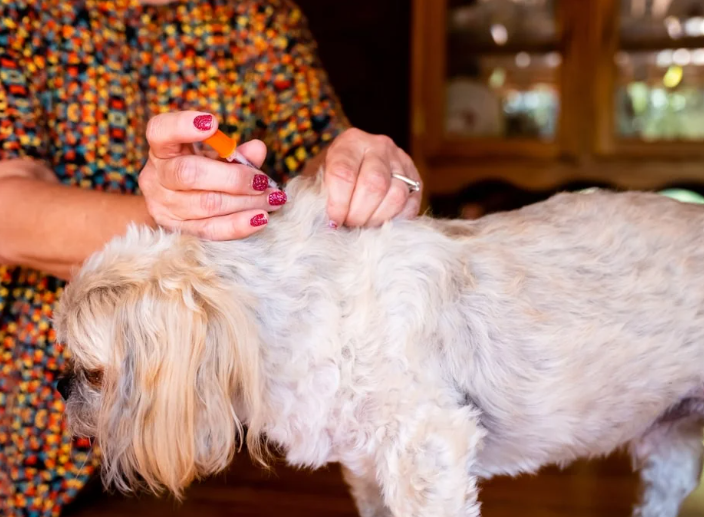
422,356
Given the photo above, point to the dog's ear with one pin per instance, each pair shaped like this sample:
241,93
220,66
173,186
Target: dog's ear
186,348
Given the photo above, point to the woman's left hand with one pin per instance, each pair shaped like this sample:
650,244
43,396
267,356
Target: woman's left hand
361,190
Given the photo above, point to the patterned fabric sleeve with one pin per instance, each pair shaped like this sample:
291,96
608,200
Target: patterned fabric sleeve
22,134
297,104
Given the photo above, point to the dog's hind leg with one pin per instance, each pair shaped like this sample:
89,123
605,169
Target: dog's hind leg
669,457
366,492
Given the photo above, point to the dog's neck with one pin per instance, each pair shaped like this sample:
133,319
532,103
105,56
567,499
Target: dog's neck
280,264
286,281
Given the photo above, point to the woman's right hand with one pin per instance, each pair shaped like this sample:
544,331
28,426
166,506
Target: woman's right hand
199,195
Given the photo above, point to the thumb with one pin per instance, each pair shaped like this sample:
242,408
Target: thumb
254,151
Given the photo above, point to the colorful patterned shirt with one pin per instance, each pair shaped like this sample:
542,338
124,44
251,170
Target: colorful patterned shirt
78,82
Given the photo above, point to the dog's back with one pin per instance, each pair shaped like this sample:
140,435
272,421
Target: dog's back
571,324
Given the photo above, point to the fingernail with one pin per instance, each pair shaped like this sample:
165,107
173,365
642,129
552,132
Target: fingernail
277,198
333,225
203,122
260,182
258,220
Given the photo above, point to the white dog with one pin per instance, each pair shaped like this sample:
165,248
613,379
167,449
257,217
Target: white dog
423,356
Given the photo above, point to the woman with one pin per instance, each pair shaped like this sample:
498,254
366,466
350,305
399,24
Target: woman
100,99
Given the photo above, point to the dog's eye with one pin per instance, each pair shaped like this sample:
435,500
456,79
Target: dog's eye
95,378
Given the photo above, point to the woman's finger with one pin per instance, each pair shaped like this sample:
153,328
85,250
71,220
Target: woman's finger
371,189
412,207
168,133
413,203
392,205
204,204
227,227
191,172
342,165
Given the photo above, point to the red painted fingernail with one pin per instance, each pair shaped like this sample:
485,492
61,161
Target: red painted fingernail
277,198
258,220
260,182
333,225
203,122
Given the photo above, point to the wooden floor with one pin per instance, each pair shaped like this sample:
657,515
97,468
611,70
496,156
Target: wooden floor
604,489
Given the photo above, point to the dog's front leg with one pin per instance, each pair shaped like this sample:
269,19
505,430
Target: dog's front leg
366,491
425,466
670,459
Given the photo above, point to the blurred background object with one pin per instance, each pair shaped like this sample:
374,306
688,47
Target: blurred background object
508,52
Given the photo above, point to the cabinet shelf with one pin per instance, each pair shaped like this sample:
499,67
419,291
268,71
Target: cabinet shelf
662,43
461,42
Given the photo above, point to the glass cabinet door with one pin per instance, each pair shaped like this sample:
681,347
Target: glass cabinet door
660,71
502,70
653,75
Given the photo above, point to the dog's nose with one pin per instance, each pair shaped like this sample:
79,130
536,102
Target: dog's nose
63,386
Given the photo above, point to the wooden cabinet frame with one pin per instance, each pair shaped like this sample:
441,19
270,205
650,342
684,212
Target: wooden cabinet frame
585,148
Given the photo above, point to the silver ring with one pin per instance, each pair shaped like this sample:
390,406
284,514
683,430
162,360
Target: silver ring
413,186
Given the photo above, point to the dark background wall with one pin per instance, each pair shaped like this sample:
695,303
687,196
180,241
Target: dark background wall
365,47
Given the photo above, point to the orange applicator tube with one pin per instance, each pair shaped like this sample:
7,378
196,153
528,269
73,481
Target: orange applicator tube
227,149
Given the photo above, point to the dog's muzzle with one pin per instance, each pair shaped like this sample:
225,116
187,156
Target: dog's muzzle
64,385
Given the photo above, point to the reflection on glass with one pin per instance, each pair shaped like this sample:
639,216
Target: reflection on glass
660,20
660,95
504,96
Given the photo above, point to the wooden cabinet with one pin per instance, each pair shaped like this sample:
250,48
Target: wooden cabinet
544,92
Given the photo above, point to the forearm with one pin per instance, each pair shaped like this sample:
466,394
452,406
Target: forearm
54,228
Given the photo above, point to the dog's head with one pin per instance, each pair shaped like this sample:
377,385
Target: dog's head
161,353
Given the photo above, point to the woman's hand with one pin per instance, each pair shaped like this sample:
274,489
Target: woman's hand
196,194
361,190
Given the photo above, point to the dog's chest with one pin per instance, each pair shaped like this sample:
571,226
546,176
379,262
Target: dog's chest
327,410
336,406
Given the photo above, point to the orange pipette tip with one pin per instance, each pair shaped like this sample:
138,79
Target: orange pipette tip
227,149
223,144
